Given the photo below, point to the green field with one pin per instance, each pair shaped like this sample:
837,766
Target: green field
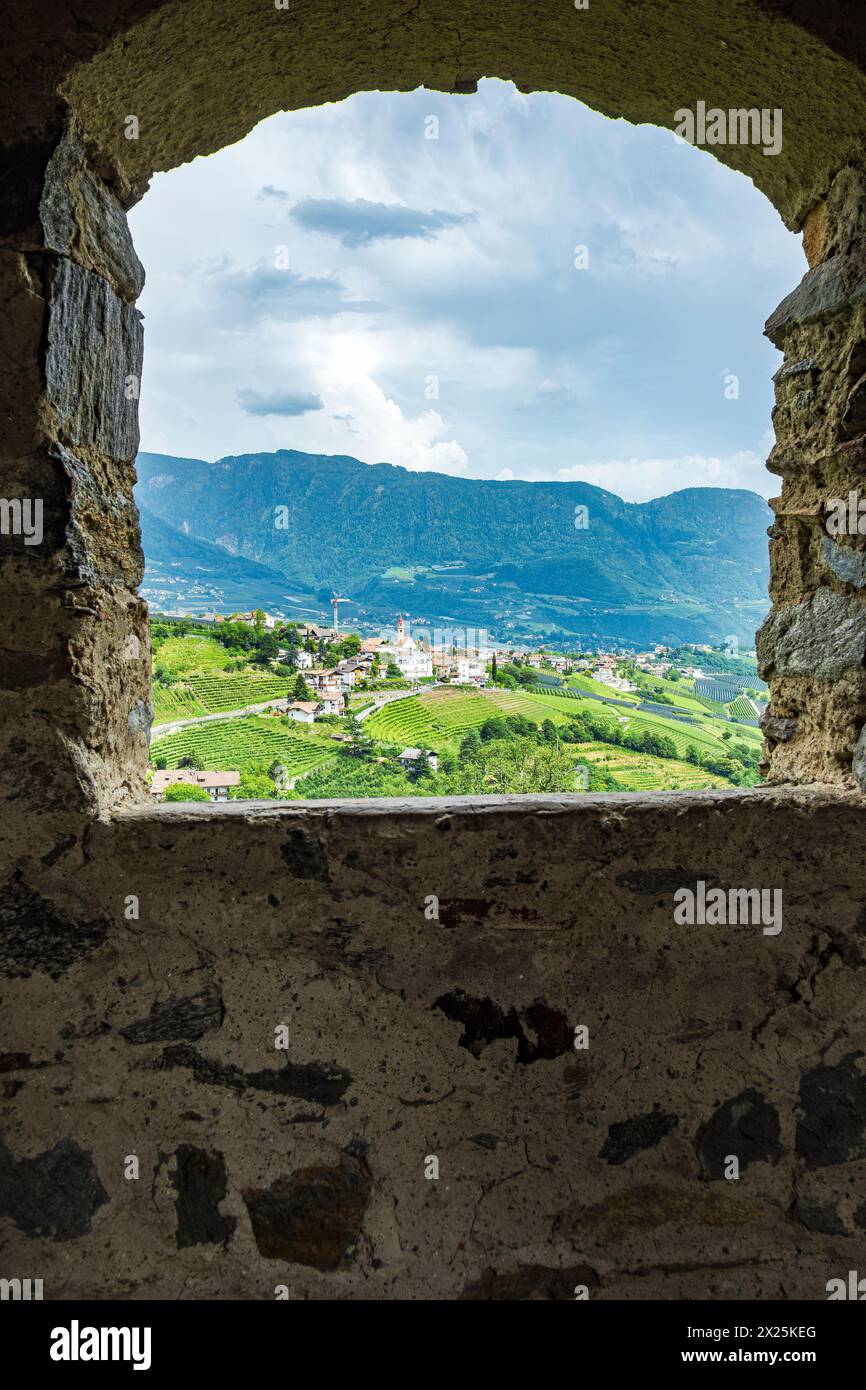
245,744
599,688
182,655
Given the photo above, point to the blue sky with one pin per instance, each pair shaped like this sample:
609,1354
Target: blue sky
341,283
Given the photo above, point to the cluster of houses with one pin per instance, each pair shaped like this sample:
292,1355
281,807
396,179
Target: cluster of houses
331,684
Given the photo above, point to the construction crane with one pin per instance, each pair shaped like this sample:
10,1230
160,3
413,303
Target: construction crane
336,600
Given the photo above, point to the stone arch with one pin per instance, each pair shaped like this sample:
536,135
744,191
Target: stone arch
236,909
197,74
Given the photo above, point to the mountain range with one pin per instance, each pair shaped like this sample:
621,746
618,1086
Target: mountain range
522,559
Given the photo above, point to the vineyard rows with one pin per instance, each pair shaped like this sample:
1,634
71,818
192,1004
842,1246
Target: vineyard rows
242,744
721,691
638,772
217,693
743,708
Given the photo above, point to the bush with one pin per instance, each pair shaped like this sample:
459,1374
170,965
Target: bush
179,791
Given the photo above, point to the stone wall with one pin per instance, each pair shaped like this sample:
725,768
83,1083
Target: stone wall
139,1021
813,645
146,957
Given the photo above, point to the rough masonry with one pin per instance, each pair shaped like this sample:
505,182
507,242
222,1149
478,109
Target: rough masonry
146,957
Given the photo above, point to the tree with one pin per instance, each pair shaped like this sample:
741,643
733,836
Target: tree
509,765
301,690
470,743
255,785
394,672
493,669
361,745
191,760
180,791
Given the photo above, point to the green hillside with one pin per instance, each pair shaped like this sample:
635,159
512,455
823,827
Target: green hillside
472,550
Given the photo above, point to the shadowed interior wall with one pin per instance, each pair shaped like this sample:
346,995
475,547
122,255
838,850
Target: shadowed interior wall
411,1037
415,1037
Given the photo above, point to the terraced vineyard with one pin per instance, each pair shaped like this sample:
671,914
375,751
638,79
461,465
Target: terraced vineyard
402,721
699,736
742,708
637,772
454,711
215,693
432,720
224,692
436,719
721,690
444,715
538,707
242,744
178,702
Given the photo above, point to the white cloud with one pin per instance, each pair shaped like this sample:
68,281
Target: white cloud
640,479
537,364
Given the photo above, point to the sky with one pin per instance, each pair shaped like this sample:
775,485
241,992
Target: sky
492,286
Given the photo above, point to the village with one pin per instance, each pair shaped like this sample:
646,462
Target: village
366,675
